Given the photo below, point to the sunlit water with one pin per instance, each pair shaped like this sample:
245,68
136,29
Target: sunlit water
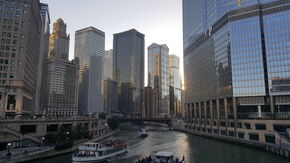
195,149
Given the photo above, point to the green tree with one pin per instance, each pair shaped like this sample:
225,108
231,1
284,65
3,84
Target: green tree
102,115
114,123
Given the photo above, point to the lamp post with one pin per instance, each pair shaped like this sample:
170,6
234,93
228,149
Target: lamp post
67,134
9,145
43,139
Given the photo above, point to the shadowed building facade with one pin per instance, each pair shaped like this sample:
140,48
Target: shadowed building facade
20,29
90,49
236,64
128,70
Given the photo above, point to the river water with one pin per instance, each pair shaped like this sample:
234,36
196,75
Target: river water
195,149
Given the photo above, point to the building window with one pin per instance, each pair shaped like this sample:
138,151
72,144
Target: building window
247,125
254,137
260,127
241,135
270,138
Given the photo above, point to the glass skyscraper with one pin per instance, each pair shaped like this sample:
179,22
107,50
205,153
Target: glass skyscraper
158,76
90,49
128,70
237,67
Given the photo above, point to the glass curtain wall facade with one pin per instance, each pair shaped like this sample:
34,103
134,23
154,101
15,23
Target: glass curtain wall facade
90,49
237,66
128,70
158,76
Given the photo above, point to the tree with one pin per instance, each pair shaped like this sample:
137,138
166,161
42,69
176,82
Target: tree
102,115
113,123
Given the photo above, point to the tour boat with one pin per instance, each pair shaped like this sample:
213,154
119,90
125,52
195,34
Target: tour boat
143,132
95,152
162,157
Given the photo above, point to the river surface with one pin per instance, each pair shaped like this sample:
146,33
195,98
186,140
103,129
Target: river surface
195,149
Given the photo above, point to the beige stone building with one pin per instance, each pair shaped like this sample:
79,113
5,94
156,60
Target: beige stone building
20,31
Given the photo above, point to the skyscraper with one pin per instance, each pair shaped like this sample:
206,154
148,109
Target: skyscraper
20,30
236,63
59,40
59,84
108,64
90,49
158,76
175,86
128,61
44,43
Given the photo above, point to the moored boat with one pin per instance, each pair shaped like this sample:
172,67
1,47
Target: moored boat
143,132
162,157
95,152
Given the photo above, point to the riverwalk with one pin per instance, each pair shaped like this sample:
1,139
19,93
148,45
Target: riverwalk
44,152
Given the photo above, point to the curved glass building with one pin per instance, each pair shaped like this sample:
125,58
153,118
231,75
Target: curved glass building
237,68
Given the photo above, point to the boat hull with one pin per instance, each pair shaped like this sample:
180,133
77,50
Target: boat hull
97,158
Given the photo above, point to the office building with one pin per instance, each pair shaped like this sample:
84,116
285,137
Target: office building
90,49
59,89
151,102
158,75
108,64
236,63
44,43
128,70
110,96
175,86
20,29
59,84
59,40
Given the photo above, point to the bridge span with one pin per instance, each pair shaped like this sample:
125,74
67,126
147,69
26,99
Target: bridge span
166,121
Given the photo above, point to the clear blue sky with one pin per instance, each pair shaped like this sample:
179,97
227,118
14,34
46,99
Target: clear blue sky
159,20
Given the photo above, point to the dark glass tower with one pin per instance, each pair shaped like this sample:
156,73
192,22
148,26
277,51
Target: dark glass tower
237,67
128,61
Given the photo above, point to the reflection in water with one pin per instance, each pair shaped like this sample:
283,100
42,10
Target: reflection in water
195,149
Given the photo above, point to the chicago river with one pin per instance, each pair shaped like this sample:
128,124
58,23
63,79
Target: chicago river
195,149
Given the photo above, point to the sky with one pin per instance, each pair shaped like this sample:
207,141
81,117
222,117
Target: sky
159,20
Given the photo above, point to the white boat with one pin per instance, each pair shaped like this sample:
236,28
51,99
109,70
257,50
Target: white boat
95,152
143,132
162,157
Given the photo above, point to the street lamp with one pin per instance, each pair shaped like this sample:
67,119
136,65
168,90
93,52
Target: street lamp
9,145
43,138
67,133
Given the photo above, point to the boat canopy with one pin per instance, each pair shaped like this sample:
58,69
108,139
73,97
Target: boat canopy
164,154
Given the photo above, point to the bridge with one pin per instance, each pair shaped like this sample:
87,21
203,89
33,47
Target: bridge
166,121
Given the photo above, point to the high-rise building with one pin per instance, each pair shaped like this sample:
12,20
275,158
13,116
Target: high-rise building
20,29
158,75
128,61
59,84
108,64
110,96
59,88
44,43
236,64
59,40
90,49
175,86
151,102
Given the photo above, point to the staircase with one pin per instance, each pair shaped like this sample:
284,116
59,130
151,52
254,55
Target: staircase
20,136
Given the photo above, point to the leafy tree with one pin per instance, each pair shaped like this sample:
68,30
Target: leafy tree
102,115
113,123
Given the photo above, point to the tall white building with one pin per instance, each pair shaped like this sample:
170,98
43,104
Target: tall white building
108,64
90,49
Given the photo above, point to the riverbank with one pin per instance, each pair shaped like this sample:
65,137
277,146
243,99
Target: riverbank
52,152
273,148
